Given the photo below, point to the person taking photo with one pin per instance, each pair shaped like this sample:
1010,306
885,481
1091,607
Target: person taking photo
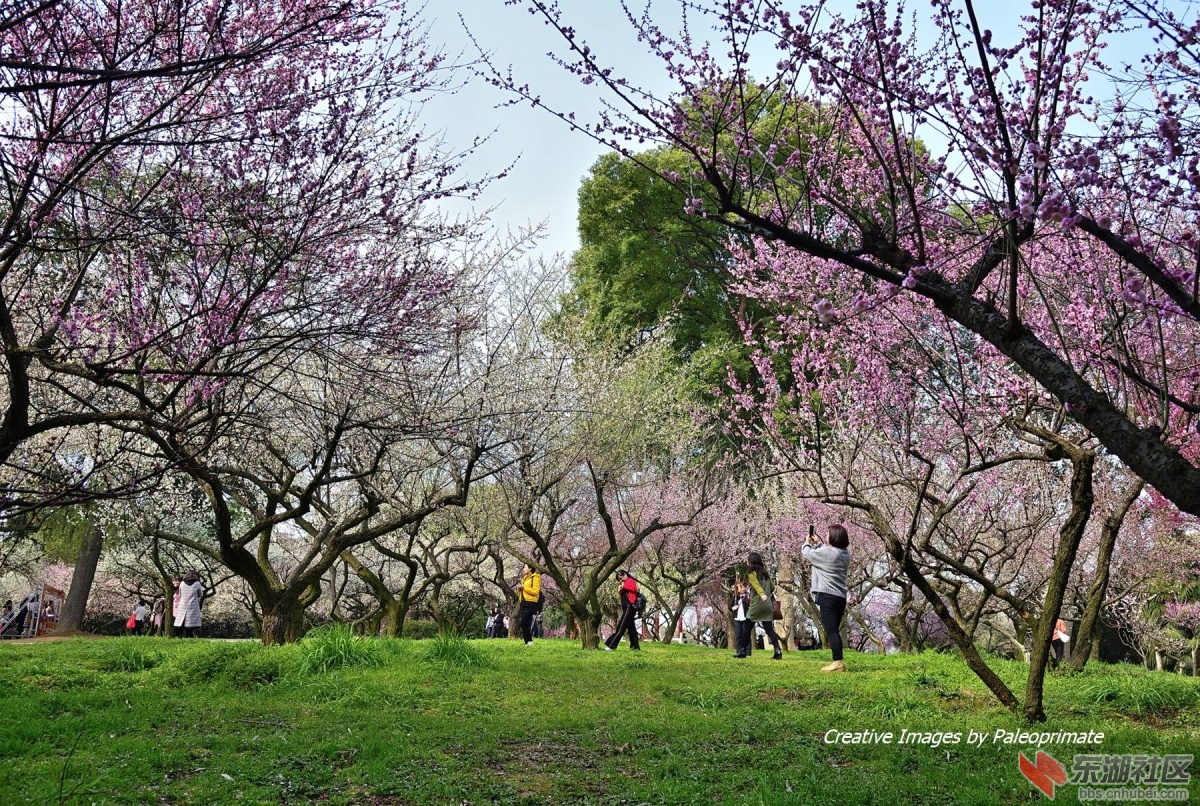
830,565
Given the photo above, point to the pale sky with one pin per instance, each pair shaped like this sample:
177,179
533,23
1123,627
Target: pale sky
552,160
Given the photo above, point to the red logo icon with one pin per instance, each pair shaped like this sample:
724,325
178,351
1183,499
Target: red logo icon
1044,774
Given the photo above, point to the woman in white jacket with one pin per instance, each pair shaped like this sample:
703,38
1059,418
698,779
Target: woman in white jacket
187,613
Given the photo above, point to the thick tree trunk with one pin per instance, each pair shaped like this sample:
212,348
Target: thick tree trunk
392,608
676,616
282,624
787,583
898,623
673,620
396,614
587,622
1088,633
589,633
1070,537
439,618
168,614
70,620
899,630
168,591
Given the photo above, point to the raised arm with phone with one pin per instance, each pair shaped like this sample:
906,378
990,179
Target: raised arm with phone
830,566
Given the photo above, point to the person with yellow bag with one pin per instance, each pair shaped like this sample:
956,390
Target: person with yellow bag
530,594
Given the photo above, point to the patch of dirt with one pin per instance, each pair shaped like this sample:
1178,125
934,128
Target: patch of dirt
532,767
52,637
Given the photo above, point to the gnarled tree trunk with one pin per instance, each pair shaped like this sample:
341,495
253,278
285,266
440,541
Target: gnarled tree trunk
1087,635
1070,536
282,624
70,620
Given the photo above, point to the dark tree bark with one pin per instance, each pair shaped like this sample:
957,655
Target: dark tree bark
70,620
1071,535
1088,633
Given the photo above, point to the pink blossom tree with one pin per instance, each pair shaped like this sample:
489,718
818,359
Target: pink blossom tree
190,192
977,176
675,566
928,464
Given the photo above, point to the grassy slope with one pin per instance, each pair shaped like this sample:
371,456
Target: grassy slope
150,720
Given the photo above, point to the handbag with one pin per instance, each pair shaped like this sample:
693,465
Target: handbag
776,610
132,623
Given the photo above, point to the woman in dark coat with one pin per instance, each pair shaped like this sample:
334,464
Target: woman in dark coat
762,593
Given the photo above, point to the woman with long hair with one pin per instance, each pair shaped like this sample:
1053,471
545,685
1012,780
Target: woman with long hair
762,609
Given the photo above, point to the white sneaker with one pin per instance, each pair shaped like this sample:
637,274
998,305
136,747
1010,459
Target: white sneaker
607,648
529,643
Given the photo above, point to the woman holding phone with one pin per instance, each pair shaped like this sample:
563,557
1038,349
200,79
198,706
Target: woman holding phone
830,564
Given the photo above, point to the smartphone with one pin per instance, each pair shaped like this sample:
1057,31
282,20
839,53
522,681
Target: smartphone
812,532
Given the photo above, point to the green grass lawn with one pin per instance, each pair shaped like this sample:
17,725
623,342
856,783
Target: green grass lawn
334,720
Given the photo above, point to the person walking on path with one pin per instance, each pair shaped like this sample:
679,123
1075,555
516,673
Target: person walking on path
628,594
530,594
742,626
187,610
762,607
830,565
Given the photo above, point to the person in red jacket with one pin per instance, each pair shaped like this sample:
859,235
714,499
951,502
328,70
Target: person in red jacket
629,591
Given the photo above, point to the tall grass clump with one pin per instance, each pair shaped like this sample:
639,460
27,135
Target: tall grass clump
132,656
335,646
449,652
202,661
1143,694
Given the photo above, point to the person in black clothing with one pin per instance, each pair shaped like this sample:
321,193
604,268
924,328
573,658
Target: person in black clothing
625,624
